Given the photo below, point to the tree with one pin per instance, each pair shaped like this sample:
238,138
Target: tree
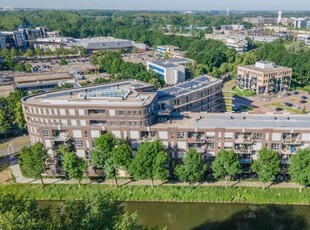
150,162
48,52
304,110
63,62
22,213
32,161
29,53
299,169
38,51
226,165
111,154
4,122
193,168
104,146
74,166
129,222
267,166
19,116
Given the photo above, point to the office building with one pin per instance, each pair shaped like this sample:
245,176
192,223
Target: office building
2,41
239,44
14,39
164,50
95,44
53,43
261,21
264,78
170,70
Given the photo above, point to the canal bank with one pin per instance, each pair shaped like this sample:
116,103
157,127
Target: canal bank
197,194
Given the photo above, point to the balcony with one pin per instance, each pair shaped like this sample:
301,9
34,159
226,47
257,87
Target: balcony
244,140
201,150
248,150
60,136
294,141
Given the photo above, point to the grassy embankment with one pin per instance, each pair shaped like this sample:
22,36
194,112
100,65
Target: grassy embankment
163,193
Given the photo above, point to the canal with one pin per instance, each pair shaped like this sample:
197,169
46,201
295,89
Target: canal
201,216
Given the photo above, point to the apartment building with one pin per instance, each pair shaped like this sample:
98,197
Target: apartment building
199,94
264,77
132,110
128,109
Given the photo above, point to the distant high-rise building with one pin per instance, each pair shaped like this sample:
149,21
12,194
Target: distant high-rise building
279,17
227,9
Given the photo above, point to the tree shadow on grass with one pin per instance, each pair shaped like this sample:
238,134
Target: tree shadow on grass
269,217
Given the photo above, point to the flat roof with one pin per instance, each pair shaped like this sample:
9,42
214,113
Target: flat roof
103,43
164,63
240,121
275,68
186,87
122,93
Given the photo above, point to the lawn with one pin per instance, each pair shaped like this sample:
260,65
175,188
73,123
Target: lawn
287,108
162,193
242,93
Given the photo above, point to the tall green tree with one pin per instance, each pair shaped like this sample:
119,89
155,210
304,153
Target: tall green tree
32,161
150,162
267,166
104,146
4,122
73,165
299,169
192,169
121,159
226,165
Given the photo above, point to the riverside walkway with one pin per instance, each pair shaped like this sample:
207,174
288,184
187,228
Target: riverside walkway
19,178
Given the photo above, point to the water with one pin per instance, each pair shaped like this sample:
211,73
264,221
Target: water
200,216
196,216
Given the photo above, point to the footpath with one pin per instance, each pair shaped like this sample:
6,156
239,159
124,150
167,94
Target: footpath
19,178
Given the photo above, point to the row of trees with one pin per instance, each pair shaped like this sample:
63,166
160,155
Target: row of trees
11,112
96,211
151,162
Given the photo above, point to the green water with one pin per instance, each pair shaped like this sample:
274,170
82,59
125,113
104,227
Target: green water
198,216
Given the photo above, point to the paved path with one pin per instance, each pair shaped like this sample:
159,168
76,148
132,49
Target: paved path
21,179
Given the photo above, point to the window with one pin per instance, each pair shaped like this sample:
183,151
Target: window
275,146
79,144
112,123
122,112
45,133
180,135
258,136
85,133
129,123
122,123
134,112
129,112
172,135
210,145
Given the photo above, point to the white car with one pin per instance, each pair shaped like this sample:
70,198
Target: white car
296,107
266,99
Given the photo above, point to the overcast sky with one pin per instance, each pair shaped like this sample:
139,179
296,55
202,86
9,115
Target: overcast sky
161,4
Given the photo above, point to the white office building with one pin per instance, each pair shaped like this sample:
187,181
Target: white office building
172,70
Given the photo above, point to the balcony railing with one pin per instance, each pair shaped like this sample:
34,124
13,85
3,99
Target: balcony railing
296,141
244,140
245,160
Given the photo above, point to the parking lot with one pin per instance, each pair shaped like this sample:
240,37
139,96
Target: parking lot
139,57
291,102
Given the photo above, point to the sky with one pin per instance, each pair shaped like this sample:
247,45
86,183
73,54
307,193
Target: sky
273,5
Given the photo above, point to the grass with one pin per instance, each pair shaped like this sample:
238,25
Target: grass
244,93
162,193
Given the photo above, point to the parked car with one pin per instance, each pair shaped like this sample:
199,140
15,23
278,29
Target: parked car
296,107
278,109
288,104
303,101
295,92
266,99
303,98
